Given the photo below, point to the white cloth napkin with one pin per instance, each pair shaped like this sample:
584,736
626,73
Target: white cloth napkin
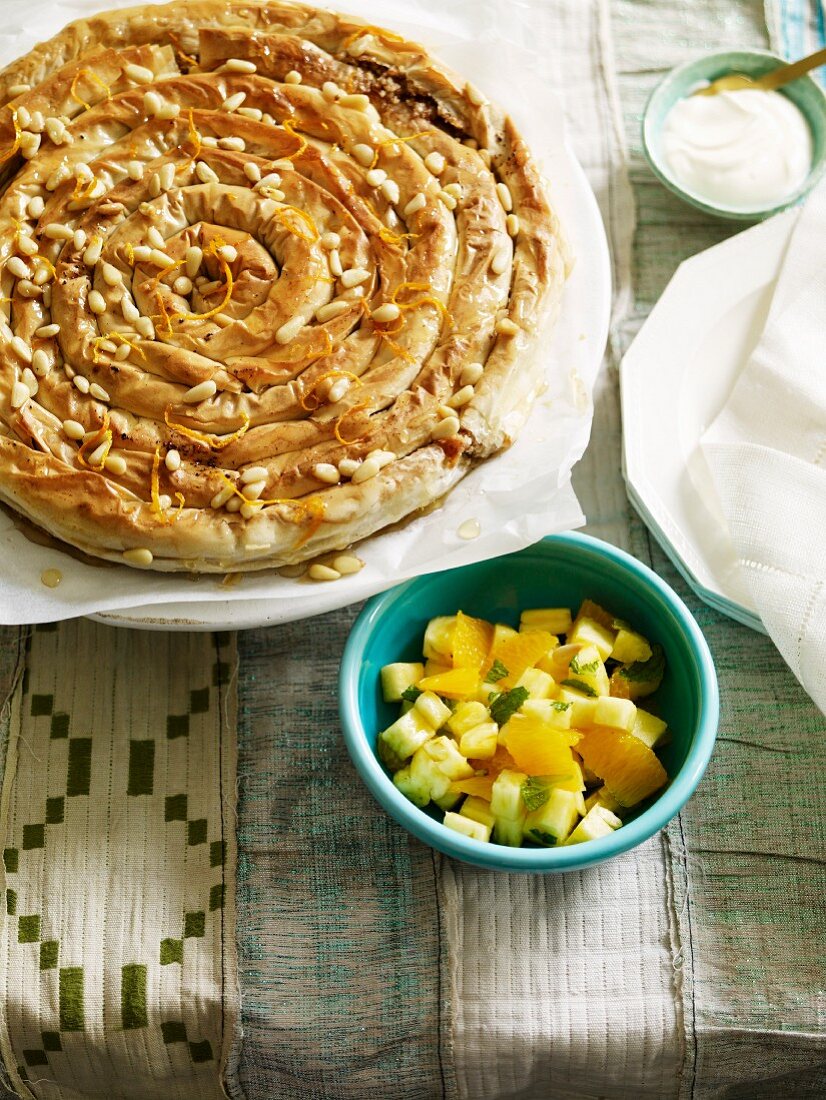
767,453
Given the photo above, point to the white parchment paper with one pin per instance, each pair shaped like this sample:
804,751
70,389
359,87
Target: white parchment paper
517,497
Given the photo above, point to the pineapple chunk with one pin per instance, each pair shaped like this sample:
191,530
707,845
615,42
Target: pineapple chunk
467,715
500,633
588,632
508,832
449,800
629,646
649,728
445,754
506,799
480,742
477,810
604,798
586,668
556,713
553,822
485,691
596,823
556,620
397,678
467,827
426,775
432,709
404,736
438,639
619,714
538,684
416,789
580,803
582,707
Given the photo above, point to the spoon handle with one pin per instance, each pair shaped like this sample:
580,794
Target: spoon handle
786,73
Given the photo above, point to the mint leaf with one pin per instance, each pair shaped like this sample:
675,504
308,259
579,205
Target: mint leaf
412,693
621,624
557,704
507,704
496,673
647,671
576,666
580,685
542,837
535,792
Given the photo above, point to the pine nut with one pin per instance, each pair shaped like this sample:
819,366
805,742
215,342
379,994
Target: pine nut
182,286
356,102
35,206
99,392
363,153
512,225
336,269
375,177
80,383
45,331
461,397
505,198
97,303
130,311
252,171
134,169
93,251
122,352
446,428
139,73
434,162
57,232
348,466
250,508
330,90
417,203
238,65
200,392
253,474
152,103
194,257
292,77
506,327
145,327
448,200
115,464
353,276
167,175
326,472
29,380
367,470
388,312
347,564
319,572
330,241
204,173
40,363
338,389
168,111
390,191
18,268
221,497
471,374
19,395
73,430
233,101
111,275
139,556
228,253
330,310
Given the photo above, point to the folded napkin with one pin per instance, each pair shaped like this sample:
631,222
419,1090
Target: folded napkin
767,453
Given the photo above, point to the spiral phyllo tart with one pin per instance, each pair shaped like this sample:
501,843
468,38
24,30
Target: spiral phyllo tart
270,282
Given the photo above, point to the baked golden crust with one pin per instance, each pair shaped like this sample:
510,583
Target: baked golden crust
289,312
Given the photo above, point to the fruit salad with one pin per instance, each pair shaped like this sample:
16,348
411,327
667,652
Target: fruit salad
530,736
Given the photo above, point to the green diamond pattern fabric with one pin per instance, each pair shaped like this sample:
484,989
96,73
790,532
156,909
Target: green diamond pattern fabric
117,949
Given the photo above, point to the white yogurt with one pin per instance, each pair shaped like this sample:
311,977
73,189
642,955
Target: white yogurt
746,150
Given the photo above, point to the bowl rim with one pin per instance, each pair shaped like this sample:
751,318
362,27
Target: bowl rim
720,210
499,857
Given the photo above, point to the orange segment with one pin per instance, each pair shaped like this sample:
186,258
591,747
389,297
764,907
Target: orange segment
630,769
472,639
619,686
518,652
499,762
589,609
454,684
536,748
480,785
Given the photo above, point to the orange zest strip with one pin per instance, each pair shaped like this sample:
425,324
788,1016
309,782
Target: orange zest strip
187,58
114,336
389,237
156,290
344,415
186,315
399,141
289,125
181,499
130,253
312,356
102,435
427,299
95,80
282,218
399,350
16,143
206,439
194,137
368,28
155,486
311,508
311,392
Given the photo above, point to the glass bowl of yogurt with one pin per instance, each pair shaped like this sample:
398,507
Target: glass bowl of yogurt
745,154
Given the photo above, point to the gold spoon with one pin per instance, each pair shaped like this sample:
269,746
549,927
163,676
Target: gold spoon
783,74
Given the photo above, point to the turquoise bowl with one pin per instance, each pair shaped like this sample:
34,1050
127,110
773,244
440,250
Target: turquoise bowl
804,92
558,571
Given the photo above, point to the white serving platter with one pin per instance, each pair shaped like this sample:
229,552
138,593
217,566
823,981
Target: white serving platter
675,378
